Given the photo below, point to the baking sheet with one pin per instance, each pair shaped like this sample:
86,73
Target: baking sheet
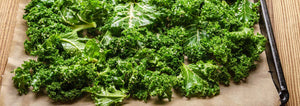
258,89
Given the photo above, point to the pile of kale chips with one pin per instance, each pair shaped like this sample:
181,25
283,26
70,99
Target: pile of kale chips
115,49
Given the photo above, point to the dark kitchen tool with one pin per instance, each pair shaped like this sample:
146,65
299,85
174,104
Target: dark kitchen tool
272,54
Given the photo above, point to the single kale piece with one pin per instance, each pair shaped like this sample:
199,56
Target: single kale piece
106,96
194,82
133,14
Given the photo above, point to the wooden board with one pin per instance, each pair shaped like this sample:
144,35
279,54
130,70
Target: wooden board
284,14
285,18
8,10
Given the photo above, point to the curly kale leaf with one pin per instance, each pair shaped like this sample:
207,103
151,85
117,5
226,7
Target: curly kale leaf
217,16
139,80
211,71
38,3
247,48
132,14
65,78
179,34
92,49
106,96
246,11
76,12
23,76
159,85
144,84
71,42
195,47
172,56
237,50
194,84
157,40
184,12
57,93
43,23
22,80
123,46
160,3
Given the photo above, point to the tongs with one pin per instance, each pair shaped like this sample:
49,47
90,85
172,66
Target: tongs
272,54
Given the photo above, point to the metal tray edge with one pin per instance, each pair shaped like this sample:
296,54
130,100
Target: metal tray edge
272,53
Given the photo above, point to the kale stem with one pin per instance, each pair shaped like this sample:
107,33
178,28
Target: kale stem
77,28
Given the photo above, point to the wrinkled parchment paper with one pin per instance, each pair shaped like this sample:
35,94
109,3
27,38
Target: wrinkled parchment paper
258,89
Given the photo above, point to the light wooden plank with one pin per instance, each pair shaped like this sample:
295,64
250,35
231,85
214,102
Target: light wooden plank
285,19
8,10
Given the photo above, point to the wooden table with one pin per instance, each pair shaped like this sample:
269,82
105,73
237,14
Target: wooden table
284,14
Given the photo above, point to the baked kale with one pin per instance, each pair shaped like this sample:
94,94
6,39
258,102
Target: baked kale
115,49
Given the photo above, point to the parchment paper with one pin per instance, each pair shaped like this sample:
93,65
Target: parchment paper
258,89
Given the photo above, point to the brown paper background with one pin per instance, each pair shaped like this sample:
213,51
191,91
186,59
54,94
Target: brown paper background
258,89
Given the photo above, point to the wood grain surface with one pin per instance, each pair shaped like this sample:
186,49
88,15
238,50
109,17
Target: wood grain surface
8,10
284,14
285,17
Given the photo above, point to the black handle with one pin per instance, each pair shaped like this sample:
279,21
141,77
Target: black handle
272,54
